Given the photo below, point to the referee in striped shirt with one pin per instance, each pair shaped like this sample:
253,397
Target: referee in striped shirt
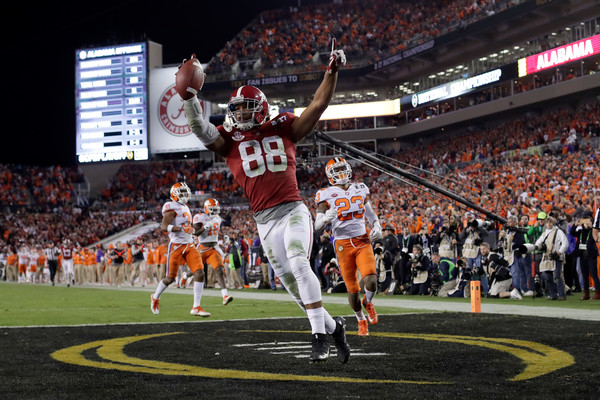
51,253
596,225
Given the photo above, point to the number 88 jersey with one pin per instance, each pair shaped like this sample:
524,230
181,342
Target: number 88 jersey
263,162
350,205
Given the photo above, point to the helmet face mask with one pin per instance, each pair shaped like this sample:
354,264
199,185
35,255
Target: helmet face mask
211,207
338,171
247,108
181,193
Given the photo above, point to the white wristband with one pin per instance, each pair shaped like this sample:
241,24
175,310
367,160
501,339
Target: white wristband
205,131
170,228
319,223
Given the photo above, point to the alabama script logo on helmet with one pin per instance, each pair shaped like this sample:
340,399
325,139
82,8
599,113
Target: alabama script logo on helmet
171,114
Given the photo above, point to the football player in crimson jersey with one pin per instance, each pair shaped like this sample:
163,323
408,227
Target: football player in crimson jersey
67,250
177,220
261,155
206,229
346,205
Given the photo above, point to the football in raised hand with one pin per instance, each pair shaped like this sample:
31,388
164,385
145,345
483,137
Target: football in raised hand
190,78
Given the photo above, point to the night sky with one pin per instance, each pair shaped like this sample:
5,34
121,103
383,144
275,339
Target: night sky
38,68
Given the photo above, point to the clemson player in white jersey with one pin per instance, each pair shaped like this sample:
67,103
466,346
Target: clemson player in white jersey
346,205
261,155
206,229
177,220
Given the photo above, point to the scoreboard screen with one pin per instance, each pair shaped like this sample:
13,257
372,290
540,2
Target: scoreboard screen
111,103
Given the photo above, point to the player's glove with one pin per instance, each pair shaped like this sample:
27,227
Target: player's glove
336,59
325,218
375,233
330,215
187,229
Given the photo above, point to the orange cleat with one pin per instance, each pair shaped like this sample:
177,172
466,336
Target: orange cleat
154,304
363,328
199,312
371,313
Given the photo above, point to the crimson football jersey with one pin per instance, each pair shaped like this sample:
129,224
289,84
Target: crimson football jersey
263,162
67,252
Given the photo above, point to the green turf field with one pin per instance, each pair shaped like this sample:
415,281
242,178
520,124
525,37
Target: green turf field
34,305
105,343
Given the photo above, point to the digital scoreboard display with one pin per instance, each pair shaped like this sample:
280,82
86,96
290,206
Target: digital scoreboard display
111,97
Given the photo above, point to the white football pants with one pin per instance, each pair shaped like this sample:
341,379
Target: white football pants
287,243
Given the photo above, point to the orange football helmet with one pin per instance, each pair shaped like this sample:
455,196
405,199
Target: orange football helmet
338,171
211,207
181,193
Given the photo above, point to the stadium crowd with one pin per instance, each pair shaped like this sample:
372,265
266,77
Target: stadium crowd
520,168
296,36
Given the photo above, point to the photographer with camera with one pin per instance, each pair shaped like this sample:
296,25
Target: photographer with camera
420,268
383,262
527,258
334,277
448,273
533,234
390,243
424,240
587,253
326,252
499,273
446,241
553,243
511,239
402,272
470,239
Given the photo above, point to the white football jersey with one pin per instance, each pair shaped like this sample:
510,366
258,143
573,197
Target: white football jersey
183,217
211,224
23,257
350,205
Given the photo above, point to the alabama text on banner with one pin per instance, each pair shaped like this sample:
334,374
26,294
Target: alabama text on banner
559,55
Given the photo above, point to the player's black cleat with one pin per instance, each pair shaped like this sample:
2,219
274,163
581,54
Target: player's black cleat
339,339
320,348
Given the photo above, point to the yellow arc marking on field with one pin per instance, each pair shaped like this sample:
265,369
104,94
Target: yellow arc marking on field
111,350
539,359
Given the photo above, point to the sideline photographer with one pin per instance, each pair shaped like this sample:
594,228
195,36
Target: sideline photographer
533,234
498,270
383,262
402,272
510,238
449,272
470,238
420,267
587,253
447,241
554,244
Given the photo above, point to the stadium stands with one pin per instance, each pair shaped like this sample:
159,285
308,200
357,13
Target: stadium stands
299,37
540,159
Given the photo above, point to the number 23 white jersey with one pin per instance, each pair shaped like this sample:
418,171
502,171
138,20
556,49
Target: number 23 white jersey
350,205
211,226
183,218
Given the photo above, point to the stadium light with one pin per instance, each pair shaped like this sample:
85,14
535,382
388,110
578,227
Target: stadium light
358,110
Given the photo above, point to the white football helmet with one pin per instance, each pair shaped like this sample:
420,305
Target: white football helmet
211,207
181,193
338,171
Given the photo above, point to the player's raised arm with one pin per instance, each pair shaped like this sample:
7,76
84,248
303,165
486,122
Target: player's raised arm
304,125
189,80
